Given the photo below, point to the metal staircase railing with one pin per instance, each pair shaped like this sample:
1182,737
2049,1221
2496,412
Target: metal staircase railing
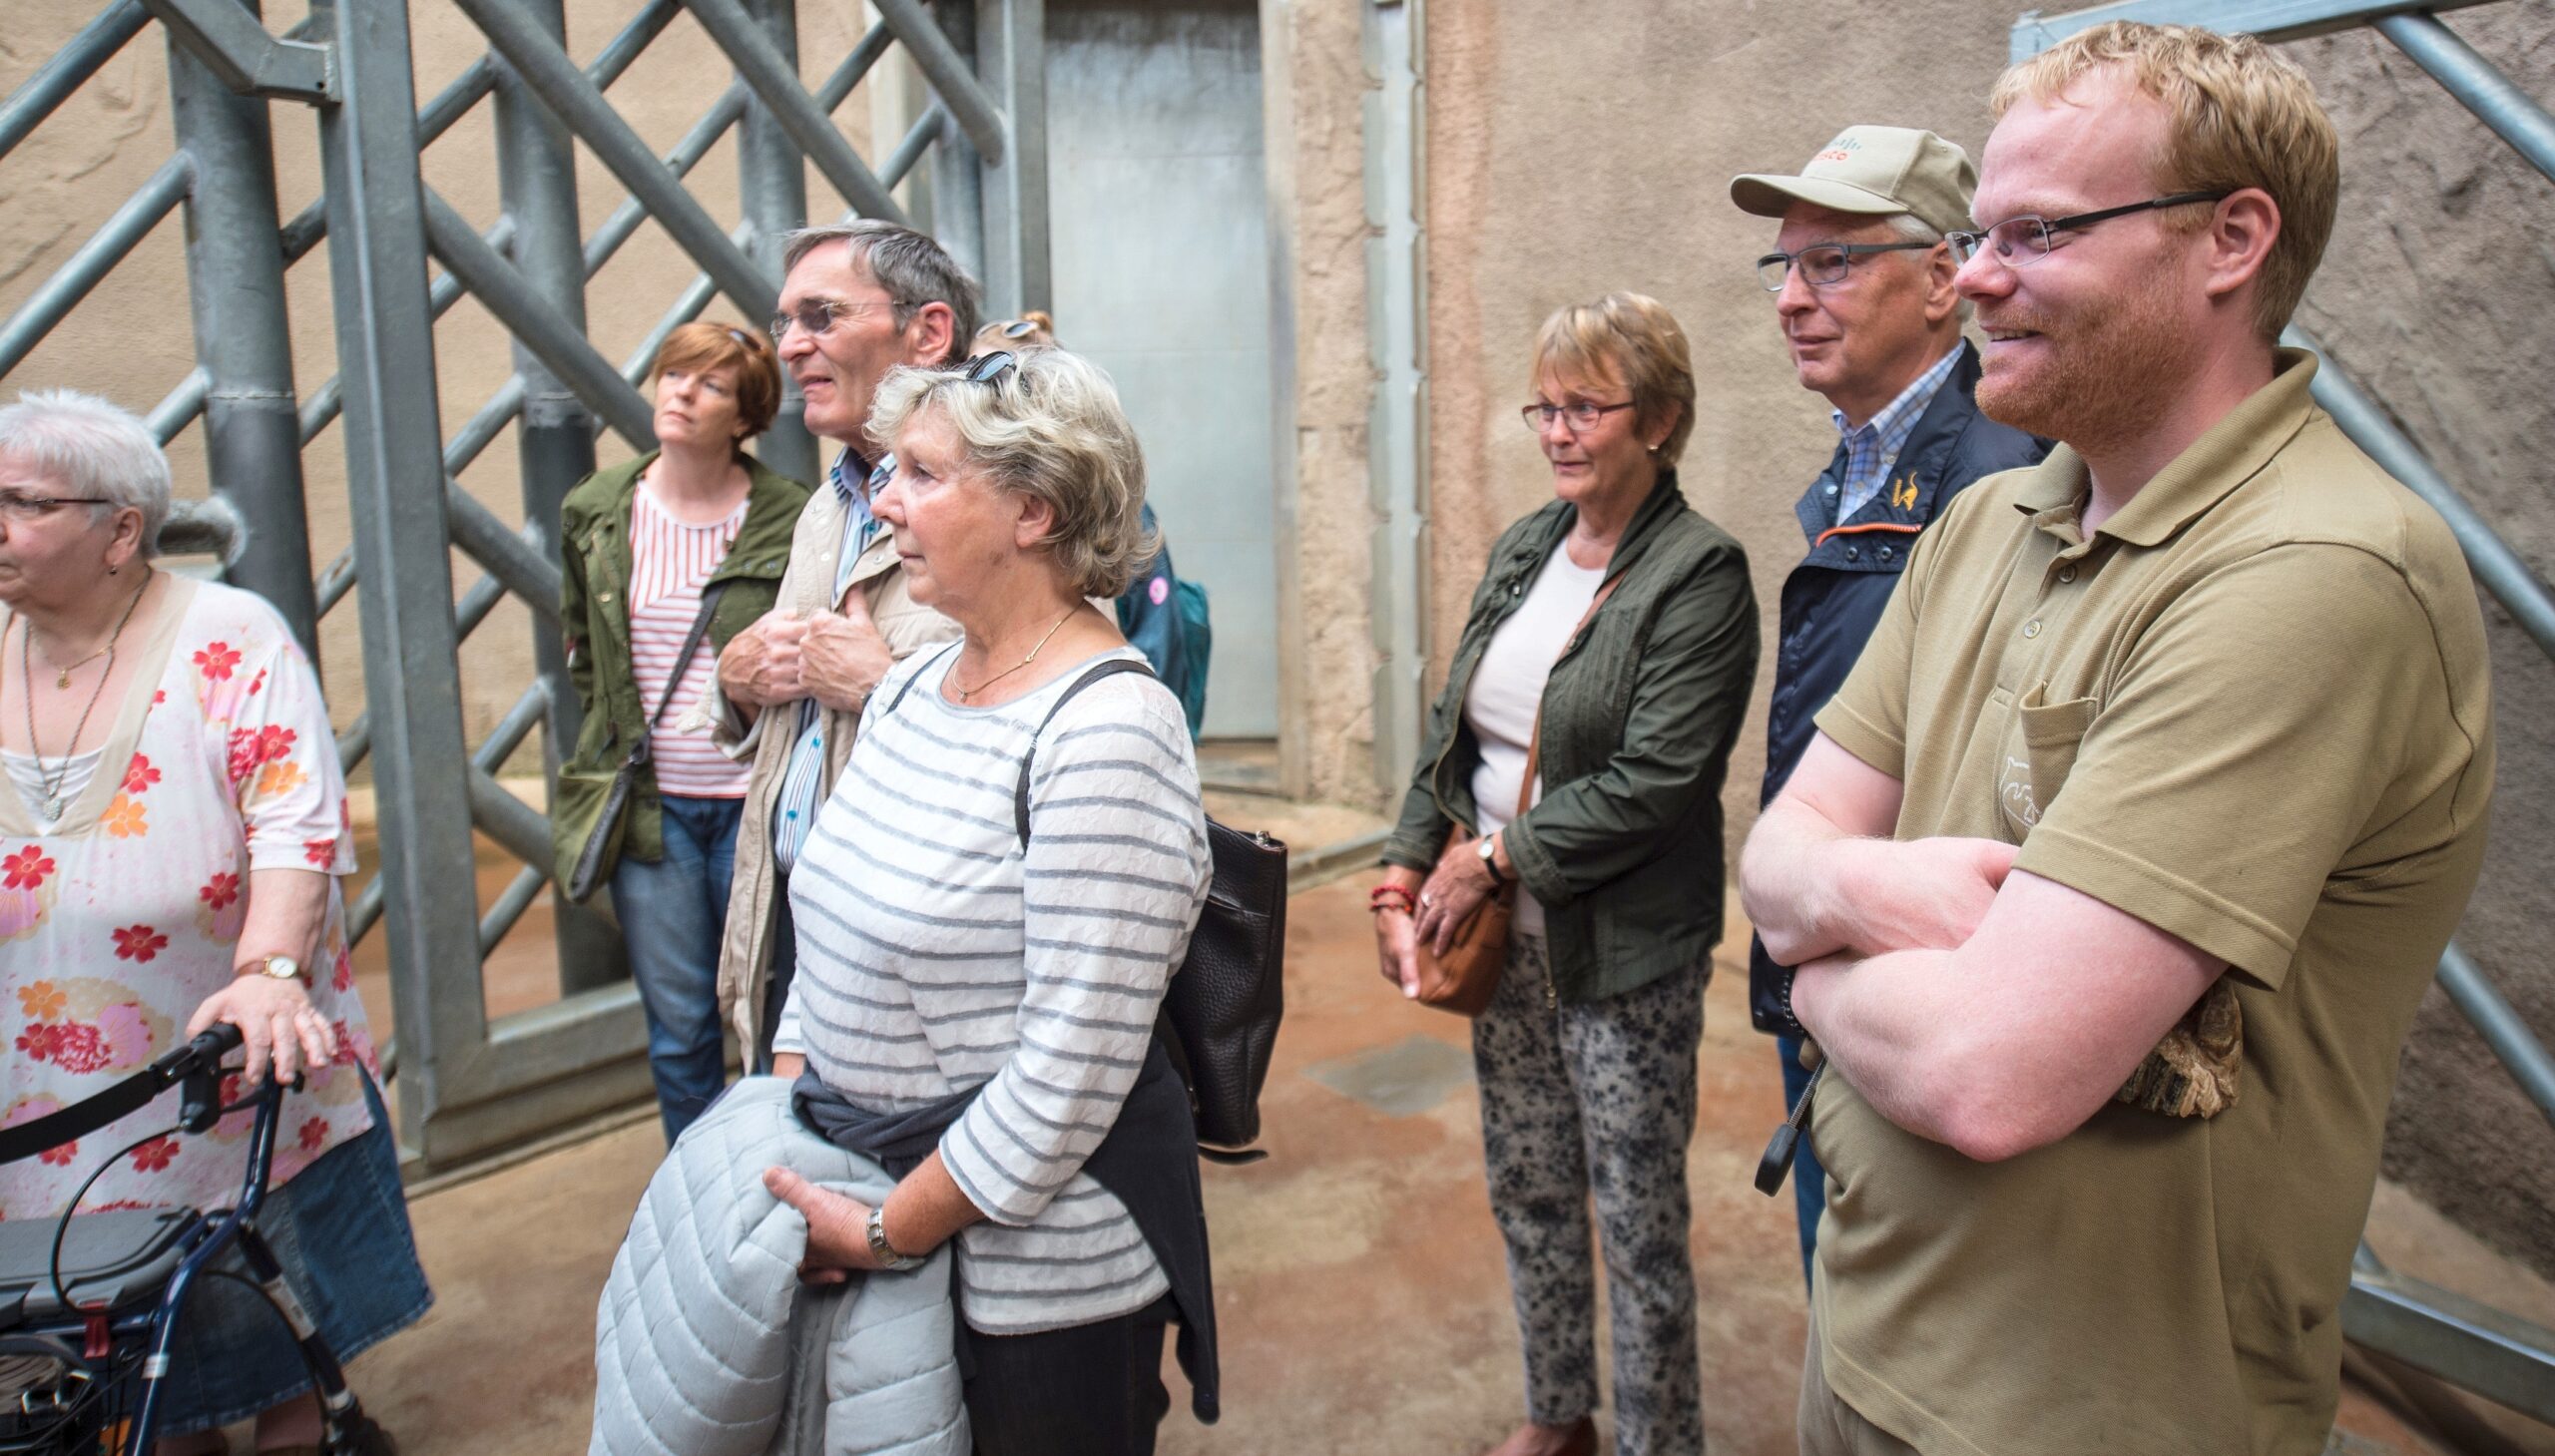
468,1084
2465,1341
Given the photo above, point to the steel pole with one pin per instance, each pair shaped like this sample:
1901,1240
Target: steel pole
957,172
1011,56
243,339
2499,104
555,437
772,175
394,478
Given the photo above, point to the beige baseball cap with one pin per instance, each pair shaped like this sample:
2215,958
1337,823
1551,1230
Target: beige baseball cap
1872,169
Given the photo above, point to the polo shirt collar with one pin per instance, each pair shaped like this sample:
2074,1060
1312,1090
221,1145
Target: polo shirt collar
2226,456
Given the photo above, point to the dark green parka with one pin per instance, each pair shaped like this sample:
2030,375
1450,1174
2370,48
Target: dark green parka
1638,714
594,612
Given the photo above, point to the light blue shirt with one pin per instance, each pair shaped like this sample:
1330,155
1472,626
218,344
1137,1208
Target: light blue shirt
1872,451
794,811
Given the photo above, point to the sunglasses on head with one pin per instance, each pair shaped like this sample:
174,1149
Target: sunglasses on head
989,368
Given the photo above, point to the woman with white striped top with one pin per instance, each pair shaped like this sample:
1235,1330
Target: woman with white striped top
1005,985
643,546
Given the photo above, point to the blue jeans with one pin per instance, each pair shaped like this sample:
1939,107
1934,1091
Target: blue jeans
1810,1180
672,914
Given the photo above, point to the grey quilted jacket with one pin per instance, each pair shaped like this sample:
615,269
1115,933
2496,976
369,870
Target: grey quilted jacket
706,1343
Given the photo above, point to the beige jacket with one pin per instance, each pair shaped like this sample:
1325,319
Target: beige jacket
745,946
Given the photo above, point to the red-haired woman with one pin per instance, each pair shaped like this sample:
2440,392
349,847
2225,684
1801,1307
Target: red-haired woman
642,546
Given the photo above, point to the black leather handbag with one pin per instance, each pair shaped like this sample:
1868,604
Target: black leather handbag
1220,1016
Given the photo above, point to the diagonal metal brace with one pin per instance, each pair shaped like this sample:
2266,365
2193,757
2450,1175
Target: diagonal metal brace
776,82
526,314
951,77
574,99
238,49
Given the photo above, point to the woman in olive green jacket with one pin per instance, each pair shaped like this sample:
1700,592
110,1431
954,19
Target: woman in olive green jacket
643,546
1586,1055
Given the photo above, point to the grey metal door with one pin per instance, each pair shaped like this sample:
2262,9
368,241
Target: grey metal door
1161,252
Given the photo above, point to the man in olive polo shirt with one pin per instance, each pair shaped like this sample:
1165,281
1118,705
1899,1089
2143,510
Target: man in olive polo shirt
2185,739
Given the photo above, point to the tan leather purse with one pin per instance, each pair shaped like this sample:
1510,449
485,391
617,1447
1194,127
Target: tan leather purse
1467,976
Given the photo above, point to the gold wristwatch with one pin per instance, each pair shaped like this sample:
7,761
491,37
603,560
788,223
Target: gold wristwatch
280,967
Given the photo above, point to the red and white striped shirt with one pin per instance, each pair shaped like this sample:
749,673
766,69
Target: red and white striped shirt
669,562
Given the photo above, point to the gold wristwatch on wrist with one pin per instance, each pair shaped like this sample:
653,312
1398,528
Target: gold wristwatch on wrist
280,967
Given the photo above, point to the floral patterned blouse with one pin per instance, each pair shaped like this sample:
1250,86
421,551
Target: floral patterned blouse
116,926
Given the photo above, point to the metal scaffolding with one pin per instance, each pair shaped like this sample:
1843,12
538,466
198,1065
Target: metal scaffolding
468,1084
2465,1341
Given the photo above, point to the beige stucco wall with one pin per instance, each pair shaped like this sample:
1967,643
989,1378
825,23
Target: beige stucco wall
131,341
1572,150
1314,50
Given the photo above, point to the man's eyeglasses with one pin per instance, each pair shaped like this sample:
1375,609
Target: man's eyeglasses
1580,414
21,509
1821,263
817,317
2021,242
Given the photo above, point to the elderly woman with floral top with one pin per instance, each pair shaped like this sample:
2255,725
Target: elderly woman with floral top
173,826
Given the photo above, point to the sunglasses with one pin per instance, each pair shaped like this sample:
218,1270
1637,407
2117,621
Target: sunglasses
989,368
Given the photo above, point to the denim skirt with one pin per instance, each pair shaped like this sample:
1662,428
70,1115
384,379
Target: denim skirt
341,1231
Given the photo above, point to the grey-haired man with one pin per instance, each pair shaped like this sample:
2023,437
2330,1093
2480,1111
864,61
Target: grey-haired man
859,299
1863,285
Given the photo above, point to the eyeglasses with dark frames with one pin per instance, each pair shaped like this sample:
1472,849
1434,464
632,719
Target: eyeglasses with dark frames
1580,415
989,368
21,509
2024,240
1822,265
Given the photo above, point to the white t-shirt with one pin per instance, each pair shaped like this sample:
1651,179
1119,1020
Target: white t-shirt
1508,687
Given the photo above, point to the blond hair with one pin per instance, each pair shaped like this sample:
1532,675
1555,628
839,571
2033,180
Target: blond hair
2241,116
1049,426
1632,339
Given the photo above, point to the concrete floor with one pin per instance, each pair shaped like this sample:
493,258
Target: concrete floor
1362,1292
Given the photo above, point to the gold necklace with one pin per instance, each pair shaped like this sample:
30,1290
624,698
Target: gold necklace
53,780
965,694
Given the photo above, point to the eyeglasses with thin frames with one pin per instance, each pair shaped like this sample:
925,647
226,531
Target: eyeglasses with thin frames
21,509
1580,415
2024,240
1822,265
817,317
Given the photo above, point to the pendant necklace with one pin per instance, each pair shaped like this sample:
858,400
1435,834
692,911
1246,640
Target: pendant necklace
965,694
51,779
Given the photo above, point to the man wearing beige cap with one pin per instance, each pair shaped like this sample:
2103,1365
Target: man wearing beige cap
1863,285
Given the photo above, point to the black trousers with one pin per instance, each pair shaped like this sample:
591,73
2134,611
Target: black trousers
1091,1390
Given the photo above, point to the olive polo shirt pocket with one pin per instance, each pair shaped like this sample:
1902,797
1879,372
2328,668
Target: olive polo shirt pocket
2040,749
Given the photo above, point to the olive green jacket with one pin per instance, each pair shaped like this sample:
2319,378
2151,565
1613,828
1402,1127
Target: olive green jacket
594,612
1625,847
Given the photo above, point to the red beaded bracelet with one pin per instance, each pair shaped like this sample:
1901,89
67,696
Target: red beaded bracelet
1380,895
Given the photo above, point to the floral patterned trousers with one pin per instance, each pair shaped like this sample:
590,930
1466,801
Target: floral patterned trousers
1597,1097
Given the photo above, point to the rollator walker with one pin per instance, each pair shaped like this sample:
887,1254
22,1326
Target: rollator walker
90,1303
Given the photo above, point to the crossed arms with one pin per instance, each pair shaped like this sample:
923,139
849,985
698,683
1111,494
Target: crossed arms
1979,1006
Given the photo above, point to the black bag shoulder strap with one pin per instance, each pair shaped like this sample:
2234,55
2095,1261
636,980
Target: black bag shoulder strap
909,685
1091,675
691,644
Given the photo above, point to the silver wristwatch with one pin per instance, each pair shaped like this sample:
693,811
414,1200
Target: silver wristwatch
1489,852
883,1251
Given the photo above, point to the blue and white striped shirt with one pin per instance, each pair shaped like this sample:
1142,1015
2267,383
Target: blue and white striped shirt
1872,451
935,955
